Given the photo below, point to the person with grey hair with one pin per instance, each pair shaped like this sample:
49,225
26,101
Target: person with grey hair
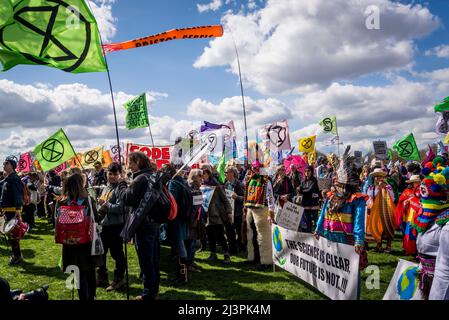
197,226
238,191
219,213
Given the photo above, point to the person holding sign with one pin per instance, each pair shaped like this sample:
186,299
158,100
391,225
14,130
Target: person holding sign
342,217
259,208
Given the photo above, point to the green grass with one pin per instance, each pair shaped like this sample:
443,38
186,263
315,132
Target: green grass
236,281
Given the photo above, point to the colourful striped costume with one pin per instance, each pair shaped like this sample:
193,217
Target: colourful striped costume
348,225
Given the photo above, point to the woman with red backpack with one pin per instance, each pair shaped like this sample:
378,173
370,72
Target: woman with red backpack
75,216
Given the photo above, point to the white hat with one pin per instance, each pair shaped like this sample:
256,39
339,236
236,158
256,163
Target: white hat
414,178
378,172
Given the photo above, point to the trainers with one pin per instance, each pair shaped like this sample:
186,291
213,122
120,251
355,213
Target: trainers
15,260
212,257
115,285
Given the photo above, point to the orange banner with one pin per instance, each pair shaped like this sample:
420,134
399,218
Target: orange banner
186,33
107,160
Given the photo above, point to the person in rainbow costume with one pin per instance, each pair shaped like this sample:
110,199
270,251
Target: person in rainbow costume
407,209
433,231
259,205
342,217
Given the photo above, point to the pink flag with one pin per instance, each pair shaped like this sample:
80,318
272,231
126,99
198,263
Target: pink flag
297,161
24,164
61,168
430,156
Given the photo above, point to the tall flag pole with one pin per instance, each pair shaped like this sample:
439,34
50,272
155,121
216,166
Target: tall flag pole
118,144
243,101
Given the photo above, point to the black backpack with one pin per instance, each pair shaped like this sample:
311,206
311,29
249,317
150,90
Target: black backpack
185,205
161,209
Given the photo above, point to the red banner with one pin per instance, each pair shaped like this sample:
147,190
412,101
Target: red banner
158,155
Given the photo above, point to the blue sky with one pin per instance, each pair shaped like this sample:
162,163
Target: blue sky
296,65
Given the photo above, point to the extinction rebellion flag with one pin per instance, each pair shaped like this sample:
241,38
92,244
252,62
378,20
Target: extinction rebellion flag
137,113
329,125
58,34
407,149
54,151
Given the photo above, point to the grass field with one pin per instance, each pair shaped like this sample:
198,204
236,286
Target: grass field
216,281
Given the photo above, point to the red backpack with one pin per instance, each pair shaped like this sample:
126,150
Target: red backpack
173,208
73,227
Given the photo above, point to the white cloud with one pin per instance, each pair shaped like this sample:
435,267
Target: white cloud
441,51
32,113
258,112
367,113
212,6
289,45
102,10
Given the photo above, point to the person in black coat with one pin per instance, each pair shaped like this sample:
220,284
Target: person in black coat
236,186
311,196
147,233
283,188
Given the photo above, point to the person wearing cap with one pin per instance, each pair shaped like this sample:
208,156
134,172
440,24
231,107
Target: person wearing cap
381,221
259,206
406,210
11,201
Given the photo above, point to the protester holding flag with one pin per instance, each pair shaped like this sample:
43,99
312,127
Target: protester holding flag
111,213
11,202
282,188
100,180
219,212
259,205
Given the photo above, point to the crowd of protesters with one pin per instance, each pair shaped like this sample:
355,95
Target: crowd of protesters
377,200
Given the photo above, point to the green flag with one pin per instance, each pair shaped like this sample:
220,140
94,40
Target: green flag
407,149
59,34
442,106
221,169
137,113
54,151
390,154
329,125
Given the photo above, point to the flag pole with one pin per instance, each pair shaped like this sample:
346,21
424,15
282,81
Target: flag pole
149,124
118,145
243,101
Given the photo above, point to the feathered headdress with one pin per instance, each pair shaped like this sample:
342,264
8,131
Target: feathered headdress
347,170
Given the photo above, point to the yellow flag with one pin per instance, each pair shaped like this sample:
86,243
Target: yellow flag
92,156
311,157
307,144
446,139
107,160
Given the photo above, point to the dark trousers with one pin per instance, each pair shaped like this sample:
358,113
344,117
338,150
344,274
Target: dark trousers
308,221
216,233
28,214
87,283
190,247
148,251
15,247
110,236
41,208
238,220
231,236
